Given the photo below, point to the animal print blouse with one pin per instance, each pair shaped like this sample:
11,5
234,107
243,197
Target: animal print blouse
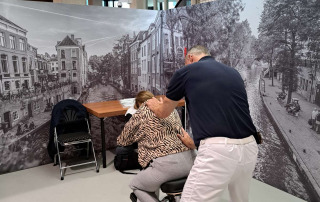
156,137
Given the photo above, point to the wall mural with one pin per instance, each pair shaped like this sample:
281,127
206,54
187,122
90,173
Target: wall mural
275,46
51,52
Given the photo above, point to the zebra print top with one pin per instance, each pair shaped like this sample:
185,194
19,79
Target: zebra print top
156,137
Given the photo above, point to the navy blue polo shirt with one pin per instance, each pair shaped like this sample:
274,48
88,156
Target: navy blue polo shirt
216,100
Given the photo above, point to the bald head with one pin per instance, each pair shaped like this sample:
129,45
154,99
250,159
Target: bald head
195,54
198,50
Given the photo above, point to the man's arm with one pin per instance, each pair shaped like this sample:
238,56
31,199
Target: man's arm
162,108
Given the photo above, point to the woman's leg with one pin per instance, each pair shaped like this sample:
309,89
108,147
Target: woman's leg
161,170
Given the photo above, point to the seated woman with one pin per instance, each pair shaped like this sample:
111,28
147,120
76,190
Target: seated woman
161,153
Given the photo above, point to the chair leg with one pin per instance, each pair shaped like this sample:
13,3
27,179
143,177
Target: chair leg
88,146
55,160
60,165
94,156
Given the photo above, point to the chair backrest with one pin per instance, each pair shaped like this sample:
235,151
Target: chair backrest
70,116
70,122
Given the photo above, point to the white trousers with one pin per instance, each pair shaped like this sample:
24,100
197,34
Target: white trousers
218,167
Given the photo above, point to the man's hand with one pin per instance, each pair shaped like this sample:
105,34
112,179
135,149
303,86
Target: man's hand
186,139
163,107
154,105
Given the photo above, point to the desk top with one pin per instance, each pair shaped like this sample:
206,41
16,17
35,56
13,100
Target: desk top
112,108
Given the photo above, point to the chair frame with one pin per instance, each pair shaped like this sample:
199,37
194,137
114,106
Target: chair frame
171,197
62,168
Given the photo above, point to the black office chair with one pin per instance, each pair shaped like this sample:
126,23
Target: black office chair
72,128
173,189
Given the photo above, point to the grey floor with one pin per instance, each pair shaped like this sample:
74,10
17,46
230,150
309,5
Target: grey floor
42,184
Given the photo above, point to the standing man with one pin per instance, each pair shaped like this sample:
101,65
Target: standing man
221,125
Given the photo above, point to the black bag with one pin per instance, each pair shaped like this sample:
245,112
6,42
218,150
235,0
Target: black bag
310,122
258,137
126,159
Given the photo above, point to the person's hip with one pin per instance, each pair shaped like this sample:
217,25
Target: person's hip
225,140
176,158
238,150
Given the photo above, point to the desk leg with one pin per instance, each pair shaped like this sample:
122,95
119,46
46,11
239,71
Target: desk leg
103,143
183,121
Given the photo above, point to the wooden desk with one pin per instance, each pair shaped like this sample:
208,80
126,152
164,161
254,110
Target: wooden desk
114,108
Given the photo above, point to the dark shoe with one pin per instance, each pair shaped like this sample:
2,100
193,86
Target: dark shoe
133,197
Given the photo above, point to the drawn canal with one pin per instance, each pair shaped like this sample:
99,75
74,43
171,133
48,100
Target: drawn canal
275,166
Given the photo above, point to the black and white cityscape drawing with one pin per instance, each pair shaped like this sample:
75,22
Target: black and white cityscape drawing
51,52
43,62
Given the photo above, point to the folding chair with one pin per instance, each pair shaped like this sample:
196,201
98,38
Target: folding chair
71,130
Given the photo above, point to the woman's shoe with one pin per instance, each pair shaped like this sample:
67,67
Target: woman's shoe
133,197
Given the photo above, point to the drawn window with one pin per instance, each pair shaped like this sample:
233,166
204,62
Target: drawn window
15,115
7,85
15,64
2,40
17,84
24,65
73,53
4,63
74,64
22,45
63,55
12,42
